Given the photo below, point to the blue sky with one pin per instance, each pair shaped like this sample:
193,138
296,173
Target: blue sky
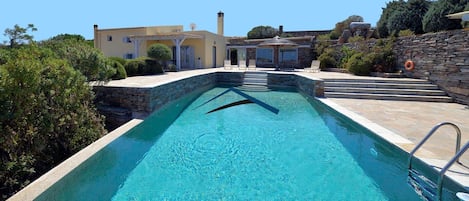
53,17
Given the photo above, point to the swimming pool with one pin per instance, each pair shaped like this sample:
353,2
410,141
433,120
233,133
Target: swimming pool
244,152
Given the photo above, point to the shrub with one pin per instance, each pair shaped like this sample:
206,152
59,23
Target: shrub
135,67
328,59
153,67
143,66
90,61
406,32
356,39
359,64
46,115
322,42
4,56
120,70
346,54
172,67
382,56
118,59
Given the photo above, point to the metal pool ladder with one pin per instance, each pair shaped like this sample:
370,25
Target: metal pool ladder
454,159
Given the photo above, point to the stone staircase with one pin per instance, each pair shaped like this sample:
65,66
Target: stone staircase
385,89
254,81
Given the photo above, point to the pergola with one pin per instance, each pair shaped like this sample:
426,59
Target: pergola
177,38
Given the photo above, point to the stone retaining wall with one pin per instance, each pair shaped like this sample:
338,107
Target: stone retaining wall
310,87
442,58
305,85
121,104
230,78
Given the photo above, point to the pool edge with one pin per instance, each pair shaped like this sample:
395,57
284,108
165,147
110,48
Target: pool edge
399,141
37,187
382,132
41,184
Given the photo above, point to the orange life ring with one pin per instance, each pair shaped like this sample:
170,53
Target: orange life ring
409,65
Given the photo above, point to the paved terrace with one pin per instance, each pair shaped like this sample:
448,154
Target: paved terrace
410,120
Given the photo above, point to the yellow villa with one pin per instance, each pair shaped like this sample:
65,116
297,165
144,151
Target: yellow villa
203,49
191,49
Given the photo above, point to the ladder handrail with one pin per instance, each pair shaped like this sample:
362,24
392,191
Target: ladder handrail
434,129
448,165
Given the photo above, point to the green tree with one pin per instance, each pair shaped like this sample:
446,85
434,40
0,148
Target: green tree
260,32
46,115
417,10
18,35
435,19
64,37
72,37
397,21
402,15
408,15
382,25
90,61
159,52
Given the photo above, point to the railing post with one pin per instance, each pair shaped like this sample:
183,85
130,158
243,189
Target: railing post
455,158
448,165
434,129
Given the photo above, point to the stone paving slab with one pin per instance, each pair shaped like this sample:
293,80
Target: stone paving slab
413,120
150,81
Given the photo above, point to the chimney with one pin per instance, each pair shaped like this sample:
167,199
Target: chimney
220,23
280,30
96,37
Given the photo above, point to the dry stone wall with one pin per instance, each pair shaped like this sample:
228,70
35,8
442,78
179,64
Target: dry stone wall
121,104
442,58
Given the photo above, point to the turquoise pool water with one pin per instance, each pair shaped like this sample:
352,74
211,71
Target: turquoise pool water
245,152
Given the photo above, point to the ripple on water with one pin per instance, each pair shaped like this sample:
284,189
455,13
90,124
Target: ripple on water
206,151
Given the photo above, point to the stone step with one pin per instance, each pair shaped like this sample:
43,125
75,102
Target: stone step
253,88
445,99
389,80
255,78
255,73
386,91
423,86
